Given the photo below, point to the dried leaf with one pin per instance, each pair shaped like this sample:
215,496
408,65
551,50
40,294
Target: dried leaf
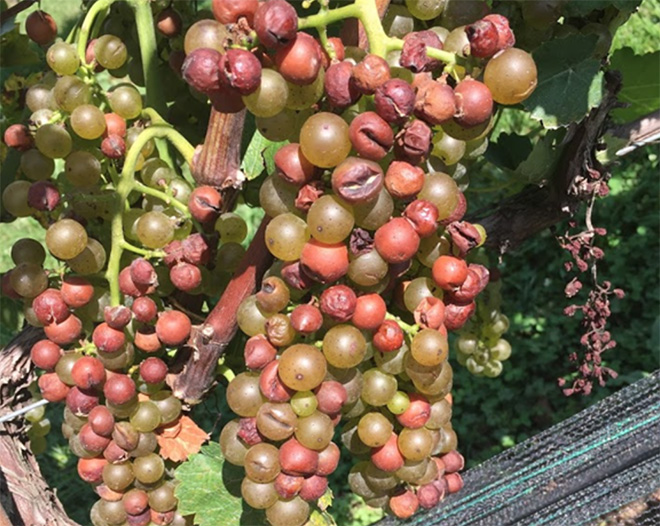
179,446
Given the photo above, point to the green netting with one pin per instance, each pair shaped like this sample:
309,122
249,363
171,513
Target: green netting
572,474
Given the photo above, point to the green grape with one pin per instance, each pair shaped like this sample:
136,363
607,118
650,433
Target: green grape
31,317
91,260
40,97
162,499
376,213
35,414
205,34
368,269
474,367
28,280
244,395
303,97
271,96
88,121
36,166
112,513
63,58
181,190
258,495
285,126
398,403
41,117
66,239
232,228
154,230
249,317
145,417
168,405
398,21
130,219
457,42
315,431
156,173
70,92
53,141
391,362
429,347
441,190
65,365
374,429
233,448
293,512
229,256
131,136
425,9
474,133
276,421
378,387
40,428
82,169
149,468
511,76
416,291
493,368
330,219
118,477
276,196
14,199
432,247
415,444
324,140
126,102
447,149
302,367
467,343
304,403
501,350
38,445
286,236
110,52
344,346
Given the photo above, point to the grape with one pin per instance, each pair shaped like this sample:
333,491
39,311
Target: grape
168,405
262,463
344,346
441,190
330,219
276,421
36,166
146,417
302,367
249,317
425,9
315,431
82,168
286,236
399,403
304,403
118,476
110,52
162,499
378,388
511,76
374,429
40,27
63,58
15,199
324,140
448,149
205,34
53,141
149,468
70,92
376,213
91,260
66,239
154,230
232,228
415,444
257,495
40,97
274,295
233,448
173,328
126,102
88,121
280,127
294,512
276,196
28,280
244,396
305,96
271,96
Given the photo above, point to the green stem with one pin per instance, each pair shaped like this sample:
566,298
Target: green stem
226,372
88,23
154,192
126,185
326,18
141,251
411,330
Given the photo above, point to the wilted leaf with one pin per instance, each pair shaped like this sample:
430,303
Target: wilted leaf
570,82
180,441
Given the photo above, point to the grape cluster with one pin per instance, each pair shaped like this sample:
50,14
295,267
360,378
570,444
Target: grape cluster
348,333
481,346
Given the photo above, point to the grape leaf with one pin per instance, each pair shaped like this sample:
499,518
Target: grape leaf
584,7
259,156
210,488
542,159
509,150
641,83
16,50
180,441
570,82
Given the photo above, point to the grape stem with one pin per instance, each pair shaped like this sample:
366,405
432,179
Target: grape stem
367,12
128,184
98,8
410,330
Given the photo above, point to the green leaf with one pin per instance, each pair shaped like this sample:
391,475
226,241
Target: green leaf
259,156
211,489
542,159
584,7
16,50
569,82
641,83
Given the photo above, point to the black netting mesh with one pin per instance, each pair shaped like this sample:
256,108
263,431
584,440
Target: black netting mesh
598,468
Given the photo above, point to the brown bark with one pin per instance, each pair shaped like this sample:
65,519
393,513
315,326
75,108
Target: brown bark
197,369
536,208
25,497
